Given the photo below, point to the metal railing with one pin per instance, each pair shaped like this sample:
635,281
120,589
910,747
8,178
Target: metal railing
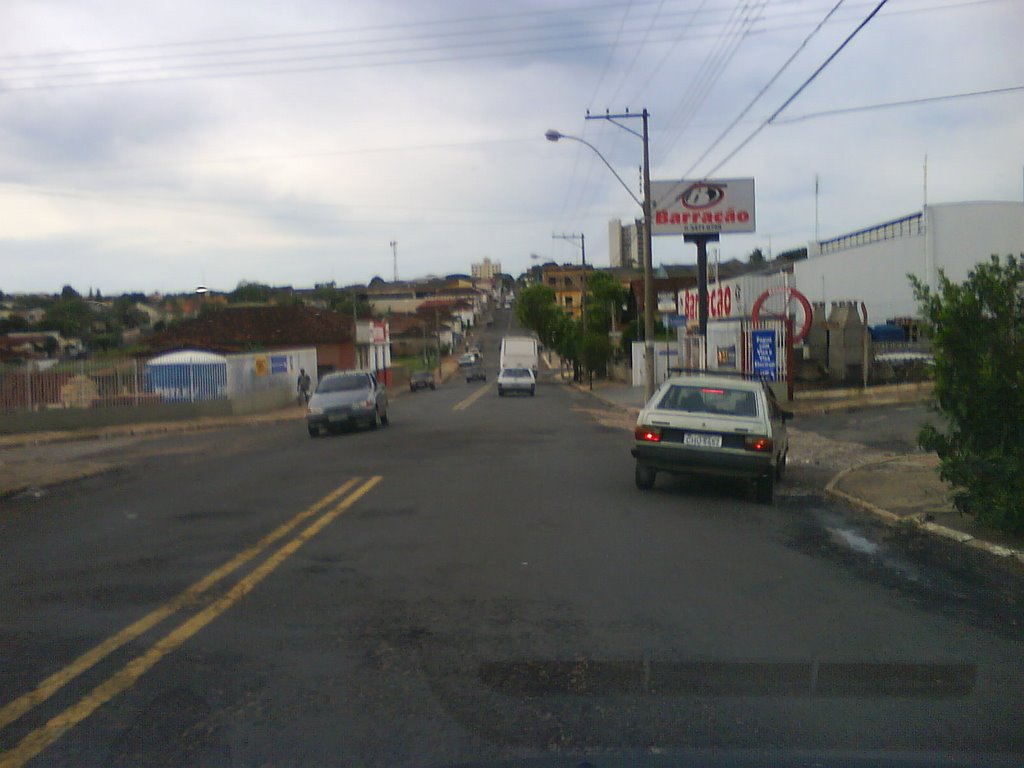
42,385
908,226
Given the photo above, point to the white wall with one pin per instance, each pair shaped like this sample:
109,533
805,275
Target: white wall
966,234
875,273
957,237
277,370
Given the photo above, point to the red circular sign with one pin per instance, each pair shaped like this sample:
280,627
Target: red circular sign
791,293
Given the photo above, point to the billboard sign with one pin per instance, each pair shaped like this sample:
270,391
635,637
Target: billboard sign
702,206
766,364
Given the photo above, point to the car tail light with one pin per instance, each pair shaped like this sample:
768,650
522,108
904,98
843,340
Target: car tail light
648,434
759,444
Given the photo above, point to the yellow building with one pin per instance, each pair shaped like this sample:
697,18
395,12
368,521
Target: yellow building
569,284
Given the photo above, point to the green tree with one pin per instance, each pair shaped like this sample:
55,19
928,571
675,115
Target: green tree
606,297
595,349
536,310
250,293
977,330
756,256
69,315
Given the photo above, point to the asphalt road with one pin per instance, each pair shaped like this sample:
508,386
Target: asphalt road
479,582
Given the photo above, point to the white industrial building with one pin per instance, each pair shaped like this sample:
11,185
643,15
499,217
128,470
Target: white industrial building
871,265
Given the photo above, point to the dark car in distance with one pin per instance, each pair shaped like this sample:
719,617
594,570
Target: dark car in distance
347,399
421,380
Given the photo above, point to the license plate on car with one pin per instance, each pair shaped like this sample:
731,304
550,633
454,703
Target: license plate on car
702,441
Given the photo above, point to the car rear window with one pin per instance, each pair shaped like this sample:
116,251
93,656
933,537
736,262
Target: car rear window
343,383
719,401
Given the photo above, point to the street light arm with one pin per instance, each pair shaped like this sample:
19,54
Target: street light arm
555,136
626,128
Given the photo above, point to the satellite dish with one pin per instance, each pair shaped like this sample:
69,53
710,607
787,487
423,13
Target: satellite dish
202,289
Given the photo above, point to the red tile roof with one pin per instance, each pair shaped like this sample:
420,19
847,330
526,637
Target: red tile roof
238,329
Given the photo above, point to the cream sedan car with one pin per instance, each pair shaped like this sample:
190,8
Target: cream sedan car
714,426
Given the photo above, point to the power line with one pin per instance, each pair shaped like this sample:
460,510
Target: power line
765,88
891,104
803,86
570,186
723,53
418,25
637,49
349,60
411,51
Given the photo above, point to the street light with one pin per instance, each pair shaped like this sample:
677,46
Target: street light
645,204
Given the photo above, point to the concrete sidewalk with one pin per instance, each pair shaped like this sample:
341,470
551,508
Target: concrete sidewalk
901,491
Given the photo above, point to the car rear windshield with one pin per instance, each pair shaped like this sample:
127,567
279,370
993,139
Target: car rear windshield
720,401
517,373
343,383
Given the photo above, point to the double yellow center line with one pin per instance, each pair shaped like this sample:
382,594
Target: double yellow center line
39,739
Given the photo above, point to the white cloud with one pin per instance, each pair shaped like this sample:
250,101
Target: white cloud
294,178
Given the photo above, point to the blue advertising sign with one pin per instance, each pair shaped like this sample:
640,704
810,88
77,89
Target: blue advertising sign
279,364
765,362
674,321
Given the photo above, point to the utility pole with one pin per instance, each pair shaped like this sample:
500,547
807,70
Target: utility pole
553,135
394,256
573,237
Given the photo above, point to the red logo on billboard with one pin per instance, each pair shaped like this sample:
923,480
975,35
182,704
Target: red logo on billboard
702,195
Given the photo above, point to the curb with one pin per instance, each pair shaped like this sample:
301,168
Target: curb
16,490
917,522
632,410
142,429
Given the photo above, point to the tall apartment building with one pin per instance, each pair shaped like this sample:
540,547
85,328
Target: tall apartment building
623,244
486,269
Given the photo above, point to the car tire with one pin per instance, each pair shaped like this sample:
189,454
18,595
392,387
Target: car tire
532,392
375,421
765,489
385,418
780,468
644,477
501,392
314,431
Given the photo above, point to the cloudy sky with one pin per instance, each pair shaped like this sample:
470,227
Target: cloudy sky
161,145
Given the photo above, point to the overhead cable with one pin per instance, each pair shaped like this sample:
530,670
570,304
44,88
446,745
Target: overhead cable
764,89
891,104
881,4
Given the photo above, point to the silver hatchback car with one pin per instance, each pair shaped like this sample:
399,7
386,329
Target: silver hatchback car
713,425
348,398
